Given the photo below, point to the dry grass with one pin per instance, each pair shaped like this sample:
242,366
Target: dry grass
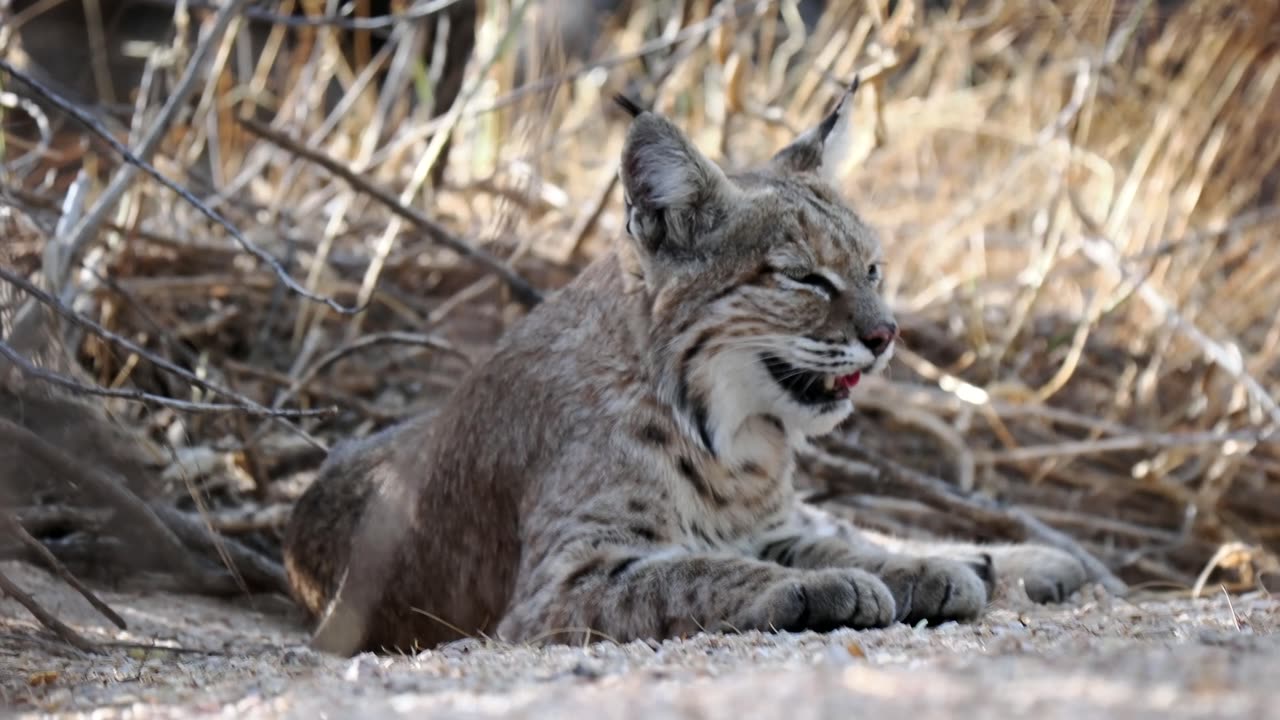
1078,199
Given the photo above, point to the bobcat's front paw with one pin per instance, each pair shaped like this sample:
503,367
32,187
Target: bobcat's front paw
1048,574
822,600
936,589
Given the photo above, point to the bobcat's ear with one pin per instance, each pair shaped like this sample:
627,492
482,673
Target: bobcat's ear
673,193
822,149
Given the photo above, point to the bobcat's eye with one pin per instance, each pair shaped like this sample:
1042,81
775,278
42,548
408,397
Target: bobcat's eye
873,272
813,279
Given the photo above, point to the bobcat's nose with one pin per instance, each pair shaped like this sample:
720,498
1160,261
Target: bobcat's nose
879,339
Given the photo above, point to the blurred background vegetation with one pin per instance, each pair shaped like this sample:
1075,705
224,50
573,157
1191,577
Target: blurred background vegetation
1078,200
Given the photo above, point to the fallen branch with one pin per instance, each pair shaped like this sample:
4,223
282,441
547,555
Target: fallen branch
373,340
896,479
1139,441
250,518
61,570
41,519
257,570
47,619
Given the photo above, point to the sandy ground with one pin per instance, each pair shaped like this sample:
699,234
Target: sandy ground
1094,657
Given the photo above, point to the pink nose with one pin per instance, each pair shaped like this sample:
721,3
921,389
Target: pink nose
879,339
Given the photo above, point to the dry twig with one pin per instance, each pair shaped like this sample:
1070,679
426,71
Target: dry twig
241,404
46,618
523,291
61,570
258,571
132,160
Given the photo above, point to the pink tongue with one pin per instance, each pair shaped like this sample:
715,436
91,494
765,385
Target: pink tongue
848,381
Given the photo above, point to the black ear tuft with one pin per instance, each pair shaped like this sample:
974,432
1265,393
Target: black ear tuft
822,148
829,122
628,104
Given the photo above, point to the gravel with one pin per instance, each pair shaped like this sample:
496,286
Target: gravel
1096,656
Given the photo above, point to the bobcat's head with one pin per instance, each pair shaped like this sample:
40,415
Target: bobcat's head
763,286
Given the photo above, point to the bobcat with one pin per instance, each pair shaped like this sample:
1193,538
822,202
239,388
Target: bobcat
621,467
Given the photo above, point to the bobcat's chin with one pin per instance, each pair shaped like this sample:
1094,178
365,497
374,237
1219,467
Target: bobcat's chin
813,403
812,419
828,419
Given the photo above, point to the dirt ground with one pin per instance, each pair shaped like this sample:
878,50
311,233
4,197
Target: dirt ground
1096,656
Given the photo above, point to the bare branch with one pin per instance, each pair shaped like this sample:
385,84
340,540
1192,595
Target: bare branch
420,11
31,158
46,618
1102,252
258,571
93,220
61,570
368,341
523,290
896,479
696,31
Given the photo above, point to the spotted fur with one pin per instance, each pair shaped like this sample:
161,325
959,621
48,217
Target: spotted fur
621,466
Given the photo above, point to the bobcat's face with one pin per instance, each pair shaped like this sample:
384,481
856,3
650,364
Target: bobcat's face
764,286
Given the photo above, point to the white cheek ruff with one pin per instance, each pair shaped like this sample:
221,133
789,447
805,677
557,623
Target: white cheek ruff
738,387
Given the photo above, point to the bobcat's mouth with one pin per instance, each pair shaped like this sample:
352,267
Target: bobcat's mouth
809,387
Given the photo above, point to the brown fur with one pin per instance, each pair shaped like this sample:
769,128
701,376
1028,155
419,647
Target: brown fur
621,466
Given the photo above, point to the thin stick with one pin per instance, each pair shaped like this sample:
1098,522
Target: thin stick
595,208
32,157
361,343
63,381
250,518
88,226
522,289
963,458
100,209
61,570
1224,552
59,628
1103,254
420,11
1140,441
255,568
